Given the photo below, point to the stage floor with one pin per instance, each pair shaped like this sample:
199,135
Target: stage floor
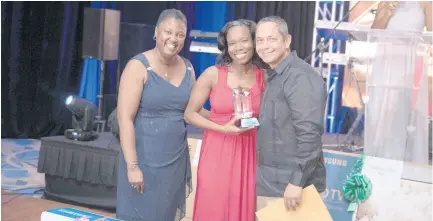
23,207
19,167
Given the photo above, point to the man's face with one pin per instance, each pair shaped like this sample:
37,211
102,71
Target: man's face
271,45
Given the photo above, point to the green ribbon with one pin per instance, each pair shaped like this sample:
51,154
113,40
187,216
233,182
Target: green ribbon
357,167
357,188
352,207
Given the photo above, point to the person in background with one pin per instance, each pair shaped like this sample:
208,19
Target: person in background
403,15
227,166
154,165
289,139
392,66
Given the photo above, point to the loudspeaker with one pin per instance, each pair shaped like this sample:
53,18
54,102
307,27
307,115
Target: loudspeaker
134,39
101,34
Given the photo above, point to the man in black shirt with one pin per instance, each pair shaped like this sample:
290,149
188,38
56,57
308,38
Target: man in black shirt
289,144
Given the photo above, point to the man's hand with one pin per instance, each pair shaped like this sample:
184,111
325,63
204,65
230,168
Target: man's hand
292,196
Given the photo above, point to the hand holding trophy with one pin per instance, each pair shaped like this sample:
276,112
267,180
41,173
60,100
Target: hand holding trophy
243,108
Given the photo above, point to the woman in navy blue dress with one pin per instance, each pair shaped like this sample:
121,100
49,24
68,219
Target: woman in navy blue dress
154,175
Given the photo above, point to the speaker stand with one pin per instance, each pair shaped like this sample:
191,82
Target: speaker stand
100,123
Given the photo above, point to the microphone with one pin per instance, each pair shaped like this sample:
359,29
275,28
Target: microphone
321,45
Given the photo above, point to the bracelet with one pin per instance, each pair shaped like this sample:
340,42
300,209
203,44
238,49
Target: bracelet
132,166
132,162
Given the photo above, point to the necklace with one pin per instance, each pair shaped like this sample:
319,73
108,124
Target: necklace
164,64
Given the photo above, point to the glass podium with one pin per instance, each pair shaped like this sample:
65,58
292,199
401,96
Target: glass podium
396,101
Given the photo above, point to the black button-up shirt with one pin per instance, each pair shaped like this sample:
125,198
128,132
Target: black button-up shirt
289,144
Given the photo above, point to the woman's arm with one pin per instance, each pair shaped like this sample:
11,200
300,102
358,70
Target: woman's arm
384,12
203,112
428,14
130,90
200,93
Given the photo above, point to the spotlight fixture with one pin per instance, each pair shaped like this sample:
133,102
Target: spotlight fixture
83,119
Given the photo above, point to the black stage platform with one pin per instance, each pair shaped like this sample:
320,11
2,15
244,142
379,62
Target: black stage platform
80,172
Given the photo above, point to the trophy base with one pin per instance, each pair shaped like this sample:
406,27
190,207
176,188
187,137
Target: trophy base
249,122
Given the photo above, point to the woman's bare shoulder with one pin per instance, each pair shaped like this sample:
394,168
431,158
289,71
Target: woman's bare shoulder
135,69
210,73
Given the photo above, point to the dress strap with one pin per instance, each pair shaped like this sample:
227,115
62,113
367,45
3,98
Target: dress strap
222,75
142,58
189,67
188,64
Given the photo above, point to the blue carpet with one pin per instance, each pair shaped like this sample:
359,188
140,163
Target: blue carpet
19,159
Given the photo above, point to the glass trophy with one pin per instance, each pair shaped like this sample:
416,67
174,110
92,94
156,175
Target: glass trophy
243,108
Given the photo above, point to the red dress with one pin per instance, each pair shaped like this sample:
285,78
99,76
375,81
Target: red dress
226,176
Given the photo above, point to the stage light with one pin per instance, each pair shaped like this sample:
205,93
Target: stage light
83,119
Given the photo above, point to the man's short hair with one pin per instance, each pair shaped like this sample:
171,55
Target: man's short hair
277,20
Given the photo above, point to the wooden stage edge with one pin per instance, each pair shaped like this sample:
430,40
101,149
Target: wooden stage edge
17,207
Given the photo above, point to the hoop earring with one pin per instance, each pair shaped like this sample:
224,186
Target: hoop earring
154,37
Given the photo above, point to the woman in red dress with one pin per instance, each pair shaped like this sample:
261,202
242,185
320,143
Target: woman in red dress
226,179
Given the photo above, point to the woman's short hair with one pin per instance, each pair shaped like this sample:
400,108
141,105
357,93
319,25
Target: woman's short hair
171,13
224,57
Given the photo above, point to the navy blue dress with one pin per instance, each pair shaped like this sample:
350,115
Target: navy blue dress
162,150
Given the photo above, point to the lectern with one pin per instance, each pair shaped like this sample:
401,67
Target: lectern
396,101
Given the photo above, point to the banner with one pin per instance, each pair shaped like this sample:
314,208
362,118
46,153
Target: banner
338,166
71,214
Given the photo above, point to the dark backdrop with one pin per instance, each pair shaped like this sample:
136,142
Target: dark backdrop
41,64
299,16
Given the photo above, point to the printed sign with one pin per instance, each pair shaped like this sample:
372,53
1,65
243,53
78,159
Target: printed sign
338,166
71,214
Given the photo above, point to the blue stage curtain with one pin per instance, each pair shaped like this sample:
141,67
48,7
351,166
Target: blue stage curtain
209,17
89,85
